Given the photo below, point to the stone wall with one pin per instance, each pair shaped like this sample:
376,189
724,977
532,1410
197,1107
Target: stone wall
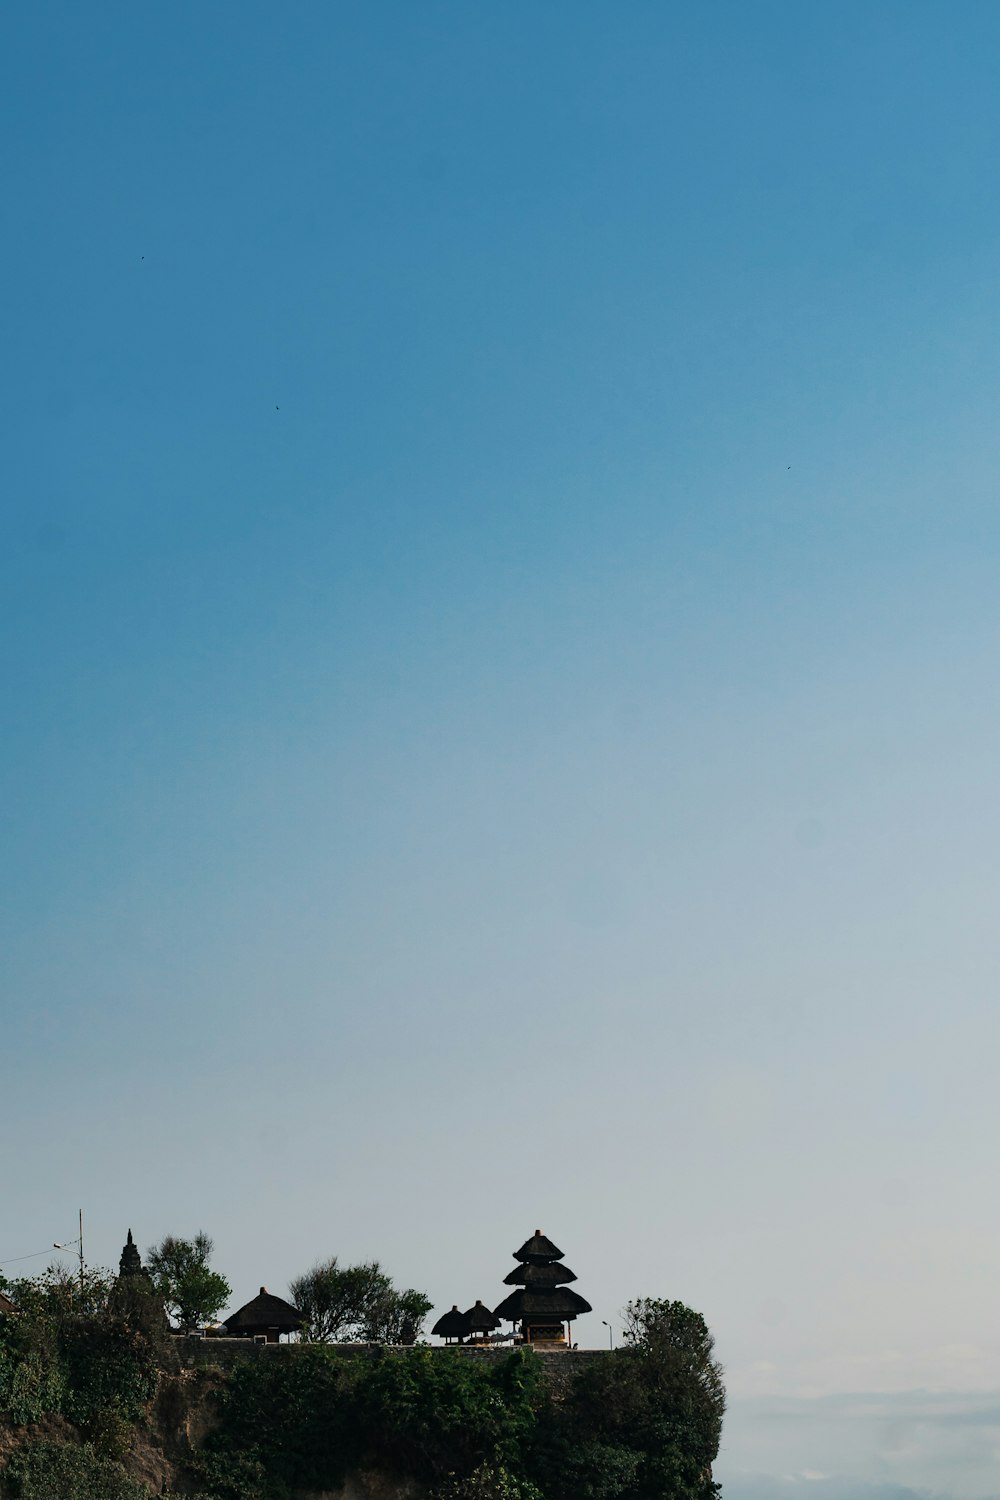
558,1365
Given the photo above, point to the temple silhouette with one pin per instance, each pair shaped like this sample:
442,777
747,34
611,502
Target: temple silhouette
541,1308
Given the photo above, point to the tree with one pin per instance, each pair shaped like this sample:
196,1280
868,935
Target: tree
677,1355
191,1291
643,1423
396,1317
352,1304
331,1299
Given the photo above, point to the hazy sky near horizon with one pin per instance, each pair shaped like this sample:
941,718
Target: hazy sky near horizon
498,630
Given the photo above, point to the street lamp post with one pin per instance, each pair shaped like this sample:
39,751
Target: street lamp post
611,1333
79,1245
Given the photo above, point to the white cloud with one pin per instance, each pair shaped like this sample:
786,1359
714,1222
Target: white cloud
881,1446
826,1487
959,1367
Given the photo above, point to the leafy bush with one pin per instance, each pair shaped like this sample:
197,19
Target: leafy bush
63,1471
31,1381
108,1432
233,1476
570,1462
289,1423
304,1422
107,1365
431,1413
488,1482
79,1351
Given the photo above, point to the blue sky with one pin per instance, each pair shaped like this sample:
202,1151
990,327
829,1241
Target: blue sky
498,638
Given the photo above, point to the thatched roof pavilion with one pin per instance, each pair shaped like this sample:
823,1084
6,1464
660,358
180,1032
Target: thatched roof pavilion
481,1320
8,1309
543,1303
266,1314
452,1325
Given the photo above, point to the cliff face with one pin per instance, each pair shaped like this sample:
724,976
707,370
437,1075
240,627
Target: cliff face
184,1411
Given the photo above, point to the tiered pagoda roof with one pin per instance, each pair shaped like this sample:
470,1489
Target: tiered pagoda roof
538,1251
539,1276
541,1281
559,1303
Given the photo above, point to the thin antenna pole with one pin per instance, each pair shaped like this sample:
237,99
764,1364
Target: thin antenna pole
78,1242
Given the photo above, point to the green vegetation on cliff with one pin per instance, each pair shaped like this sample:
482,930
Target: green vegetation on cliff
46,1470
89,1353
79,1369
645,1422
305,1423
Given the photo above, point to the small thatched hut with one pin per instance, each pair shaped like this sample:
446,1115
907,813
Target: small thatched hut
481,1322
266,1314
8,1309
452,1326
